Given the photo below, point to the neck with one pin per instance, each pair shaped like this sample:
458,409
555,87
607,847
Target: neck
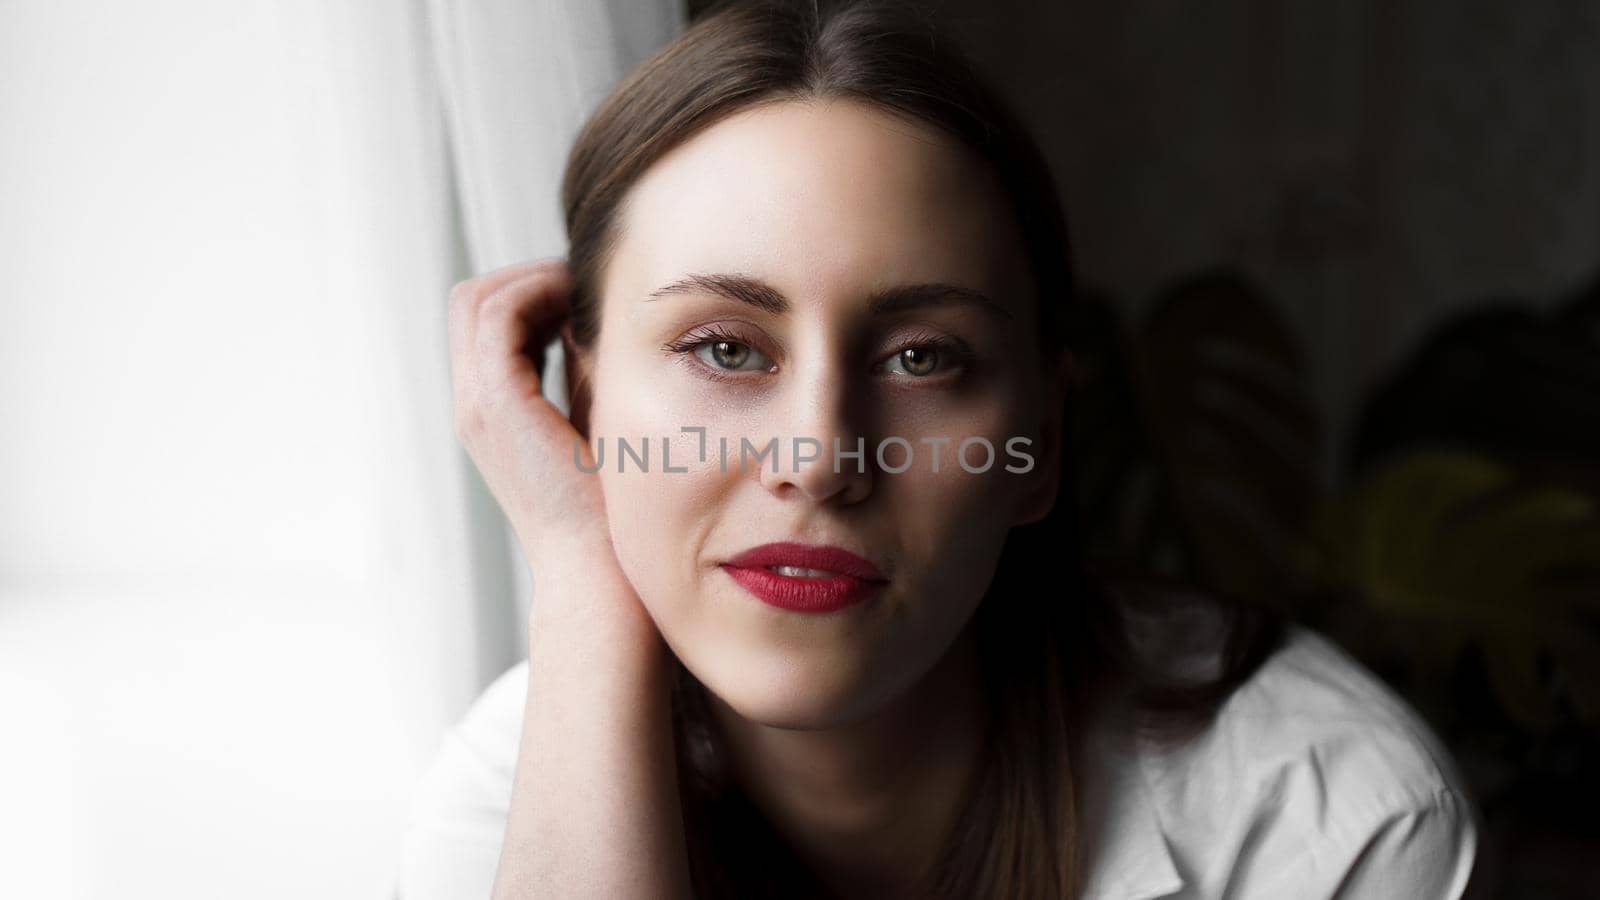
869,806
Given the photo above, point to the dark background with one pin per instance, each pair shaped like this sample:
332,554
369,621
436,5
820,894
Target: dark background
1340,342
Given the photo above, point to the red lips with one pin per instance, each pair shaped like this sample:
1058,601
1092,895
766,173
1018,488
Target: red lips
809,556
853,580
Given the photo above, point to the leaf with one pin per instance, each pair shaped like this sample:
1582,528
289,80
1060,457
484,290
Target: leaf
1229,411
1459,542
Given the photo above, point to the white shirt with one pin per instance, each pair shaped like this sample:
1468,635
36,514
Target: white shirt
1315,781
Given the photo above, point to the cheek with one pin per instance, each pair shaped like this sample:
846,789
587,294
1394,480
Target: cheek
661,504
953,521
655,519
956,520
973,477
646,397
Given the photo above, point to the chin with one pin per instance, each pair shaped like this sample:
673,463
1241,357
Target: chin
781,693
788,714
778,689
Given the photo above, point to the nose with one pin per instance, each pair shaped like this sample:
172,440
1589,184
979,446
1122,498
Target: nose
818,414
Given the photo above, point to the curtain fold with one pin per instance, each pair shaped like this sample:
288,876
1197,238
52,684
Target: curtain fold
517,81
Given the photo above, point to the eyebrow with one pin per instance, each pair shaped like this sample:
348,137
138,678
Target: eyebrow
754,292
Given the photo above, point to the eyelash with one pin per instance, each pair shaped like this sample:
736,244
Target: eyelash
956,351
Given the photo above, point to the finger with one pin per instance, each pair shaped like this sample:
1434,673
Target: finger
467,295
490,282
520,317
469,369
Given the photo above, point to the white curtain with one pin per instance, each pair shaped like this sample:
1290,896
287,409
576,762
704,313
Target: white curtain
519,78
247,576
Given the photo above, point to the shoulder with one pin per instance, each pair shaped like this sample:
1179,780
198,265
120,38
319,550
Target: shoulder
1314,776
459,808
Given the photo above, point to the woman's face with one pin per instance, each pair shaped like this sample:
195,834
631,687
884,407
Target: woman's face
826,204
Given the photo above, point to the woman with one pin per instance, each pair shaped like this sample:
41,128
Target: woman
789,654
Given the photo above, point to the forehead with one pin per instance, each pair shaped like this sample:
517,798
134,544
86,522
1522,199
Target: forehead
825,197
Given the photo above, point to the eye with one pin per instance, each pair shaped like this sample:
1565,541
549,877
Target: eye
721,351
917,360
731,355
929,356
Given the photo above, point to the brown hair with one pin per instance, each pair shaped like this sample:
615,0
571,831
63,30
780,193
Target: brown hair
1046,655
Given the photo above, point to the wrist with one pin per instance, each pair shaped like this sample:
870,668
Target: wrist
583,603
554,549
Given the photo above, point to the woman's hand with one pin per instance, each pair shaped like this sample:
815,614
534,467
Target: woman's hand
500,324
594,805
524,447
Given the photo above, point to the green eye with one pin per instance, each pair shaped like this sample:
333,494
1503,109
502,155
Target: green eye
931,357
733,355
918,360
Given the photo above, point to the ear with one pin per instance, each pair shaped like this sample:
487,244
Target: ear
577,364
1040,497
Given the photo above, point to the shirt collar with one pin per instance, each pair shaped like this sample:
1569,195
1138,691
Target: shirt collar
1129,858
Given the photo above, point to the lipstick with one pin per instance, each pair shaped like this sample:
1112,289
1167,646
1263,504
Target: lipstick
837,577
